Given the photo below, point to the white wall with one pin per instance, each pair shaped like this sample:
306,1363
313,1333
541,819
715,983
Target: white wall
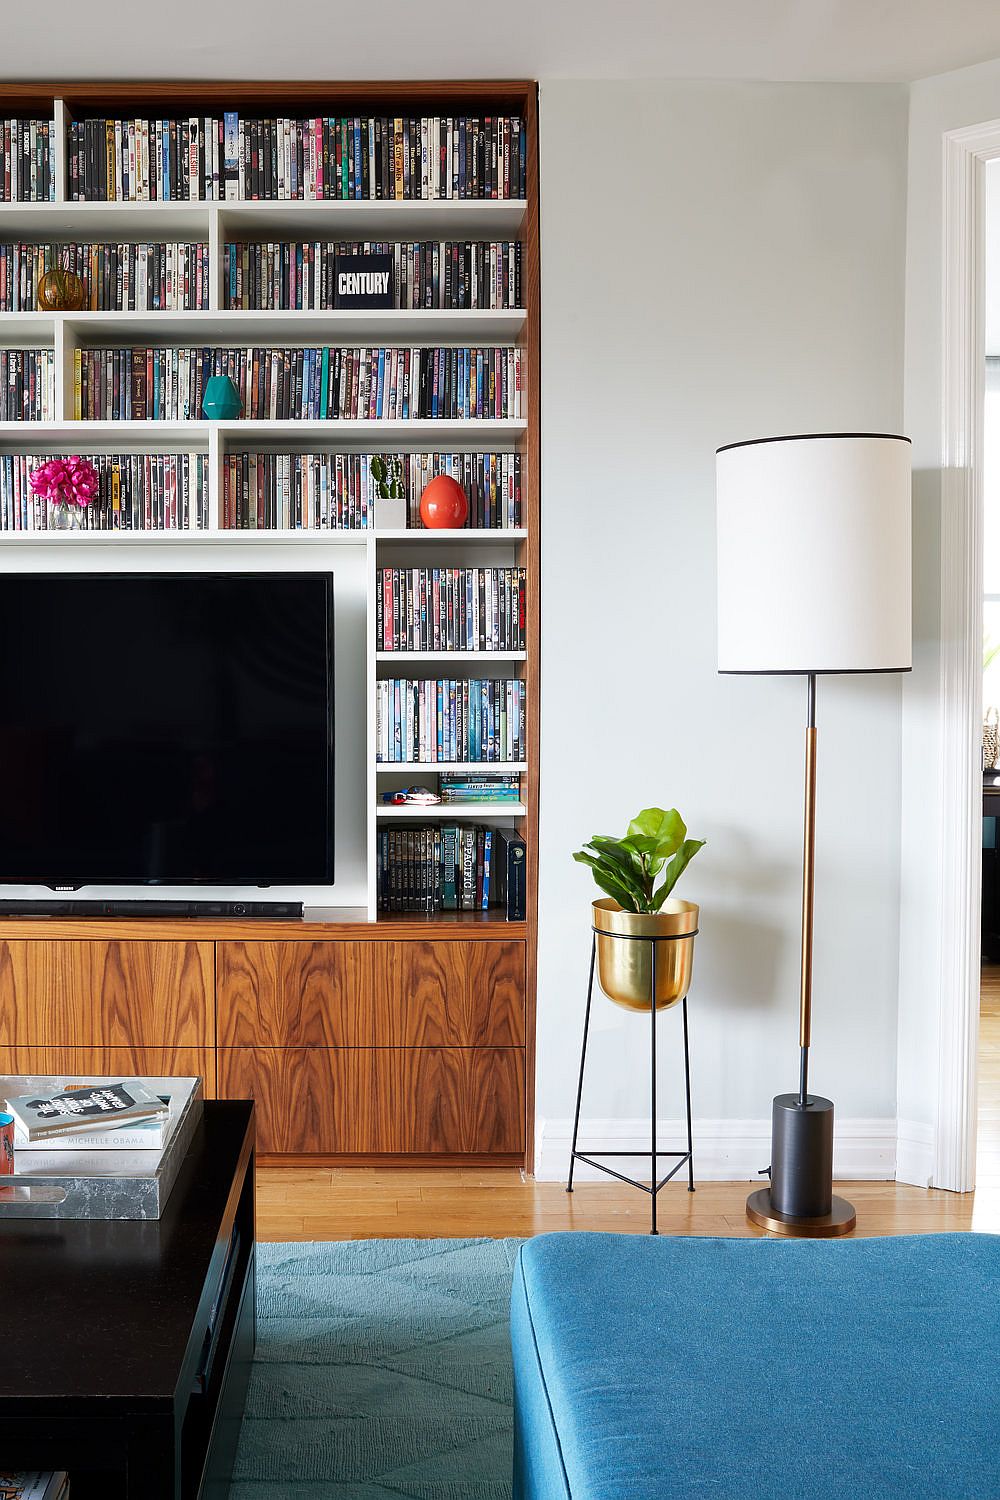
718,262
937,105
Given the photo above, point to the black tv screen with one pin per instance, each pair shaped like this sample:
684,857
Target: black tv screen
166,729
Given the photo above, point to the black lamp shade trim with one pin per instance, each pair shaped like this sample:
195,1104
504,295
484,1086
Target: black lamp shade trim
809,437
809,671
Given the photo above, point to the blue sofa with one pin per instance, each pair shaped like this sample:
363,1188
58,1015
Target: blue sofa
757,1369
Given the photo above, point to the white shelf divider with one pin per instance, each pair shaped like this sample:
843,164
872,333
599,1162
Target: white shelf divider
449,534
449,810
428,767
233,325
428,658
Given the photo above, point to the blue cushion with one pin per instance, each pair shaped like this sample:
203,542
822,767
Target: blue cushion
757,1369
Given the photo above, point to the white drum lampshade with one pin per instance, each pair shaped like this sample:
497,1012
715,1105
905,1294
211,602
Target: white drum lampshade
814,554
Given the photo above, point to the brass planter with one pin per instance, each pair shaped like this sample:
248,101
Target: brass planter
625,964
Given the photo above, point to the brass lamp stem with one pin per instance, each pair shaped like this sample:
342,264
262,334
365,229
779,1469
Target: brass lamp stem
808,886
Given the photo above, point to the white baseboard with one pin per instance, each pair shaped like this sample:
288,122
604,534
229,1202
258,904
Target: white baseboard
914,1153
724,1150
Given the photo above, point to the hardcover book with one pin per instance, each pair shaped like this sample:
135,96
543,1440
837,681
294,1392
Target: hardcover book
44,1116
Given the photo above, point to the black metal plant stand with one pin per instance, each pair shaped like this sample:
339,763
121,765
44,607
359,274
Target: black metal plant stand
682,1156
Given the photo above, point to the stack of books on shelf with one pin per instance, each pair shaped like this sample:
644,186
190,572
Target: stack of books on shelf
231,155
454,787
449,609
27,161
426,273
439,720
136,492
124,1116
27,385
336,491
450,867
310,384
130,277
34,1484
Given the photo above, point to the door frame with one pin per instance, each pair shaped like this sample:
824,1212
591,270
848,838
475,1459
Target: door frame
963,387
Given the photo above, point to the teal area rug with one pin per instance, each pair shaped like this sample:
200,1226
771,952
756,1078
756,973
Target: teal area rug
383,1369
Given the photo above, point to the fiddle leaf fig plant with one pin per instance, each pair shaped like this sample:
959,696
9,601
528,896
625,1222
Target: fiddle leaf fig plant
640,870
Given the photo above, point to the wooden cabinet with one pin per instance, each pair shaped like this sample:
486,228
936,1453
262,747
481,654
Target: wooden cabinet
106,994
359,1044
380,1101
376,994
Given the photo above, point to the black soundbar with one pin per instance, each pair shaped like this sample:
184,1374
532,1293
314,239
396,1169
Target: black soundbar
282,911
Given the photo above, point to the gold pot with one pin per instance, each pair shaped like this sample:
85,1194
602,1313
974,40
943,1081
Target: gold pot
625,964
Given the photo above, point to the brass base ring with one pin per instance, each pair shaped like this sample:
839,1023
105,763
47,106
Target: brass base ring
840,1220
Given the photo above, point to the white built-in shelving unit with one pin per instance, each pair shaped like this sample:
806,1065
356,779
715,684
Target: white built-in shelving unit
216,223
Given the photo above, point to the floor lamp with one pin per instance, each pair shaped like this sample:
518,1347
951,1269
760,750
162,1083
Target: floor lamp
813,578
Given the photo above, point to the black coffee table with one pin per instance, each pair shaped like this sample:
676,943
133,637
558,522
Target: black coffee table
126,1346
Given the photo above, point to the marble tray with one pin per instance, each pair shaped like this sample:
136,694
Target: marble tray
54,1184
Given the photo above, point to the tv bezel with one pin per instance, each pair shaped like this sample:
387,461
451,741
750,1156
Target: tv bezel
78,882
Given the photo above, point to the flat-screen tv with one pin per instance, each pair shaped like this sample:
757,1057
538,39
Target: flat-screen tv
166,729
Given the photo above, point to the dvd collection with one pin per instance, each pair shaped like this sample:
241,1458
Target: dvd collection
290,275
137,277
434,721
462,786
336,491
27,161
136,492
232,156
447,867
449,609
301,384
27,385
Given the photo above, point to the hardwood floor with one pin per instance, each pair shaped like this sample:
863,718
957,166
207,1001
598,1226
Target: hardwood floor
362,1203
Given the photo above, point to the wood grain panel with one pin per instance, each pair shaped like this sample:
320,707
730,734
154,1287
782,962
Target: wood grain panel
339,924
454,1098
307,94
531,559
106,994
295,994
119,1062
453,994
367,1100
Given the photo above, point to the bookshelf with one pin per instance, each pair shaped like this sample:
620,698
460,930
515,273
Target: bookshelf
354,909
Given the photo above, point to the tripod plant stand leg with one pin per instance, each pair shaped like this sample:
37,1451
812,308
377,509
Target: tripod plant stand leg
583,1060
687,1096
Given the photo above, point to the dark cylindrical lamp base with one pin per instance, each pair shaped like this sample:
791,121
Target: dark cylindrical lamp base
801,1156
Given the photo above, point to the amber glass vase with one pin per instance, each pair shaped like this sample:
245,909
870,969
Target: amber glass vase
60,291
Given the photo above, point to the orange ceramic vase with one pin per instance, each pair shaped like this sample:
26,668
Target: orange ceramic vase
443,504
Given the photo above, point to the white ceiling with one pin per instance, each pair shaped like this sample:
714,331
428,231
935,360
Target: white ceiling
808,40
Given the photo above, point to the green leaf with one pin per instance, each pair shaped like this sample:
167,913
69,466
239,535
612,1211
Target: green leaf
616,891
615,881
656,832
676,868
615,850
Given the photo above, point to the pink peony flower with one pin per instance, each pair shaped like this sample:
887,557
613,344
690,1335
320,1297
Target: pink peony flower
72,481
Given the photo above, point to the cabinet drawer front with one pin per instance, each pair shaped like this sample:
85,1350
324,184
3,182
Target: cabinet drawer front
114,1062
380,1100
450,993
371,994
294,994
106,994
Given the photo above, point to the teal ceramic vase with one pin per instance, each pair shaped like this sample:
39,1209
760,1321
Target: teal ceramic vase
222,399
